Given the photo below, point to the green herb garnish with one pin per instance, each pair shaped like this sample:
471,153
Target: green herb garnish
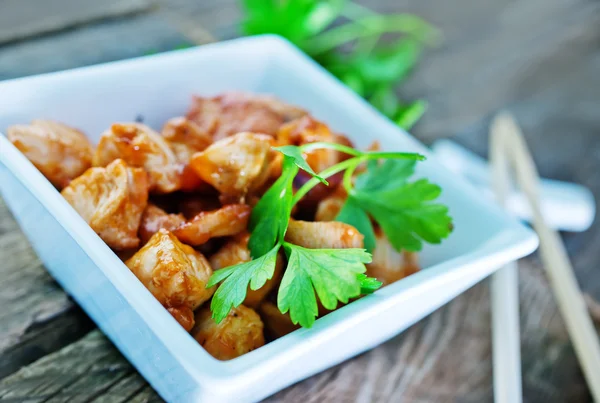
344,37
404,210
332,275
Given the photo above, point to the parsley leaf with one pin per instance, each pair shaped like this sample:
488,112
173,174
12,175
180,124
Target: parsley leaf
331,273
368,285
232,292
387,64
270,216
405,211
296,153
406,214
407,116
352,42
389,175
352,214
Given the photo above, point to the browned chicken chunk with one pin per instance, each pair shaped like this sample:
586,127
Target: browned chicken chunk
277,324
323,235
226,221
329,207
111,200
155,218
287,111
236,251
60,152
234,165
234,112
309,130
140,146
184,316
239,333
389,265
173,272
186,138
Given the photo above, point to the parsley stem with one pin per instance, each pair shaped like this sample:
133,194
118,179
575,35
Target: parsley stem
326,173
393,155
369,26
348,165
347,181
357,153
332,146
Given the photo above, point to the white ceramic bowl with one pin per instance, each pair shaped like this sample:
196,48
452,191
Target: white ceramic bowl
159,87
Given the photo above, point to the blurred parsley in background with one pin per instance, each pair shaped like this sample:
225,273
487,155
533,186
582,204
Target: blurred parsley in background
345,38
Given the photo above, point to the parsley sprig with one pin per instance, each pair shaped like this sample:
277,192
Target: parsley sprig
405,211
332,275
345,38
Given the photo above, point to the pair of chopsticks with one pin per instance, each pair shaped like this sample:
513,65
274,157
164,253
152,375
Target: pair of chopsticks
508,150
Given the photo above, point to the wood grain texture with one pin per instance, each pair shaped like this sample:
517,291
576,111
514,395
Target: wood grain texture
20,19
37,317
78,372
99,43
538,58
445,357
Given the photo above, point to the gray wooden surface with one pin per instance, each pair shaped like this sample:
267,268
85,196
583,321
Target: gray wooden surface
23,19
538,58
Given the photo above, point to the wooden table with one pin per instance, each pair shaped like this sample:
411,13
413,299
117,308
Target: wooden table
538,58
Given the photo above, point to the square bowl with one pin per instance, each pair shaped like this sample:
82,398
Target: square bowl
159,87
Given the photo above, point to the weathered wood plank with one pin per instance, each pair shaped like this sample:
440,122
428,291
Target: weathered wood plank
445,357
501,53
130,387
90,369
78,372
593,308
20,19
147,395
220,18
32,303
42,338
109,41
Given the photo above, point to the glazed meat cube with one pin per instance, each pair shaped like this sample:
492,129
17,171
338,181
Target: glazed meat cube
226,221
287,111
60,152
186,138
155,218
239,333
236,251
277,324
323,235
111,200
173,272
389,265
142,147
184,316
330,207
309,130
234,165
235,112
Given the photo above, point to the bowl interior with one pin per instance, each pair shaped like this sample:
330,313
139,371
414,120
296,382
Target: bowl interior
156,88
